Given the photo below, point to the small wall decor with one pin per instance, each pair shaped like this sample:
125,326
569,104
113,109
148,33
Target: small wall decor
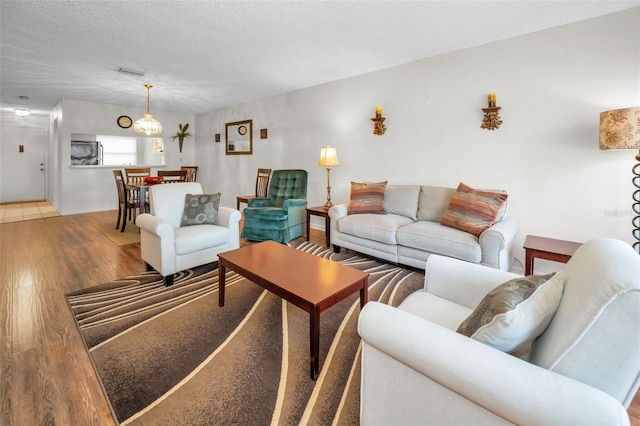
491,119
239,137
378,123
20,148
263,133
217,137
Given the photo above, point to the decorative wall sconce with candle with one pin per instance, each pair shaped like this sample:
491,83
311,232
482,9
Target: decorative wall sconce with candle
378,123
491,119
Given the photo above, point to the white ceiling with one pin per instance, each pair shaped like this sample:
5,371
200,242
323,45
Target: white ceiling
205,55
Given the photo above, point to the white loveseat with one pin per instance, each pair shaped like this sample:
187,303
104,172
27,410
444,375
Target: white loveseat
411,231
168,247
584,369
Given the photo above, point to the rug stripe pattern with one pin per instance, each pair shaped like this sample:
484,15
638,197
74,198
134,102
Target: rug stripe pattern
170,355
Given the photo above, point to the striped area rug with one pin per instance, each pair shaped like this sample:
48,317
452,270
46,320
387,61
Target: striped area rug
170,355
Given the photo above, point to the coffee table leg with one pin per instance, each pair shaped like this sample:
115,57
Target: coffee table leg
364,292
314,337
221,283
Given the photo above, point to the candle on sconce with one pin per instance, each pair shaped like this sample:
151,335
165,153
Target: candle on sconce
492,100
378,112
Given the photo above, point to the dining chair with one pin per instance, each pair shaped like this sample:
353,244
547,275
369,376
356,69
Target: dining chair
128,202
172,176
192,173
262,184
137,175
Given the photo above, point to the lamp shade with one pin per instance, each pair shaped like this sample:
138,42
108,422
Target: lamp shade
620,129
328,156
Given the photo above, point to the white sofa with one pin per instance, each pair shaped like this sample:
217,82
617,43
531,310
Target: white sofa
584,369
411,231
168,247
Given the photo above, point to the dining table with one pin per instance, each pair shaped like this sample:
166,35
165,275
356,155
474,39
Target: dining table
141,187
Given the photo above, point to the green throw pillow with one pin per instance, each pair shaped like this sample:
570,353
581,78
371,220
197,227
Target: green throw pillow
201,209
514,313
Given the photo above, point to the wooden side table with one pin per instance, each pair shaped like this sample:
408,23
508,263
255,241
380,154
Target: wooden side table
321,211
547,248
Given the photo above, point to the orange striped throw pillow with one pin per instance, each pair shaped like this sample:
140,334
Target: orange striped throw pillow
367,198
472,210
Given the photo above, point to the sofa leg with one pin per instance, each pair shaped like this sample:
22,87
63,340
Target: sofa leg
148,267
336,249
168,280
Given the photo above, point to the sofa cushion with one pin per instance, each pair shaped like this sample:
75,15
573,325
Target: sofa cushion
190,239
433,202
402,200
381,228
472,210
514,313
200,209
436,238
367,197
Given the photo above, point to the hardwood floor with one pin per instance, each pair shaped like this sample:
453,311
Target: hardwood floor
46,376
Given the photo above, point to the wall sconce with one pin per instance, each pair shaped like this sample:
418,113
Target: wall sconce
378,123
491,119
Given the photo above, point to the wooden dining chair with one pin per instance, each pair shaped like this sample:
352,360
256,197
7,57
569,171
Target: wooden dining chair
192,173
137,175
128,201
172,176
262,184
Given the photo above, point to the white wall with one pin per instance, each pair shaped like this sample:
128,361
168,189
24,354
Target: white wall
551,86
88,189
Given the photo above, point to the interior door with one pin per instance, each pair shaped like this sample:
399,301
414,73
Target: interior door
22,164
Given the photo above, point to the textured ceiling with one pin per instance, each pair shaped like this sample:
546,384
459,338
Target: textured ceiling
205,55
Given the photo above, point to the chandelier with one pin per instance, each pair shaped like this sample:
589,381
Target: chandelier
147,124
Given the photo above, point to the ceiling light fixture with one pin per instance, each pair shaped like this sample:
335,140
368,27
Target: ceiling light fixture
130,71
22,112
147,124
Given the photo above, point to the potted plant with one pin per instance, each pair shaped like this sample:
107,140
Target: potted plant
183,133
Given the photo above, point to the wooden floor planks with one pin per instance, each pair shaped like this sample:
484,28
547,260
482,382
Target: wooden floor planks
46,375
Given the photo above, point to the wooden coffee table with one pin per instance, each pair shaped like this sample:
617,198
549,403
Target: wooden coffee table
311,283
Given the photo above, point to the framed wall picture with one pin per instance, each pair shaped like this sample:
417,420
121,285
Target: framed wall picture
239,137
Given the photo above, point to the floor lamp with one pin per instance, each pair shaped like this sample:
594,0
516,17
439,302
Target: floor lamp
328,158
620,129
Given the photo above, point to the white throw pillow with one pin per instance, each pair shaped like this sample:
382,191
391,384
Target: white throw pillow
515,313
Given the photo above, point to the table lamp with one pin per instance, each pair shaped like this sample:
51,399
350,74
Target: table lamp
620,129
328,158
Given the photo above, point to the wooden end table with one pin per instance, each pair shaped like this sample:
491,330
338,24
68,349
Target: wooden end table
321,211
547,248
312,283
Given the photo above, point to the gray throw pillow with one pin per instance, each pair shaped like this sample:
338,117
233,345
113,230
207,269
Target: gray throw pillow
201,209
514,313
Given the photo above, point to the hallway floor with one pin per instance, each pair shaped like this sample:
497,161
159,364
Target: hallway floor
16,212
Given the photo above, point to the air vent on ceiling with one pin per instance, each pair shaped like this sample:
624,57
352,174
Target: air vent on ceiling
130,71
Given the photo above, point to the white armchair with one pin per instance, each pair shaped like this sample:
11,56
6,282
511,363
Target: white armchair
169,248
583,369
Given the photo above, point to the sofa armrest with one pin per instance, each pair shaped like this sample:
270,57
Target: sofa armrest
259,202
155,226
230,218
496,244
461,282
294,202
338,211
414,370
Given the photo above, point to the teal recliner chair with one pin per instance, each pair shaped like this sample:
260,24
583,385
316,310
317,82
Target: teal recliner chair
282,215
